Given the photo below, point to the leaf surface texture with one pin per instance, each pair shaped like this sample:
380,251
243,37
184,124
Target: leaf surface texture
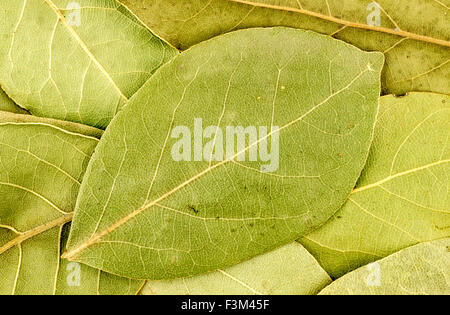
402,196
419,269
11,117
143,215
286,270
56,63
413,34
40,174
8,105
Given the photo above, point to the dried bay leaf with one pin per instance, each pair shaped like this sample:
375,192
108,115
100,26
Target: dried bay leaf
55,61
41,167
402,196
419,269
286,270
143,214
413,34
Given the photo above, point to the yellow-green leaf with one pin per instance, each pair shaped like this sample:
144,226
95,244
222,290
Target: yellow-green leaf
413,34
75,60
79,279
145,213
286,270
402,196
419,269
6,117
41,167
8,105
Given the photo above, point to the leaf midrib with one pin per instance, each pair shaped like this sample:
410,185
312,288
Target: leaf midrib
36,194
36,231
39,230
391,177
84,47
380,29
242,283
71,253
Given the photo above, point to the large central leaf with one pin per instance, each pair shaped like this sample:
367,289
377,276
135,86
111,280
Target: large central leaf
413,34
144,213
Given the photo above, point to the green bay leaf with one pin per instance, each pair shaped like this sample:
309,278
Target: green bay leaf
41,167
79,61
414,34
402,196
143,214
419,269
286,270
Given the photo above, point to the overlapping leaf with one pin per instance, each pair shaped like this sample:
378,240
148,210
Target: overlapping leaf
78,279
402,196
286,270
8,117
413,34
6,104
55,61
142,214
419,269
41,167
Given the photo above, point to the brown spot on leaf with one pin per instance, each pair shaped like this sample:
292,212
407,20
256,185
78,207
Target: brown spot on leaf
192,208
